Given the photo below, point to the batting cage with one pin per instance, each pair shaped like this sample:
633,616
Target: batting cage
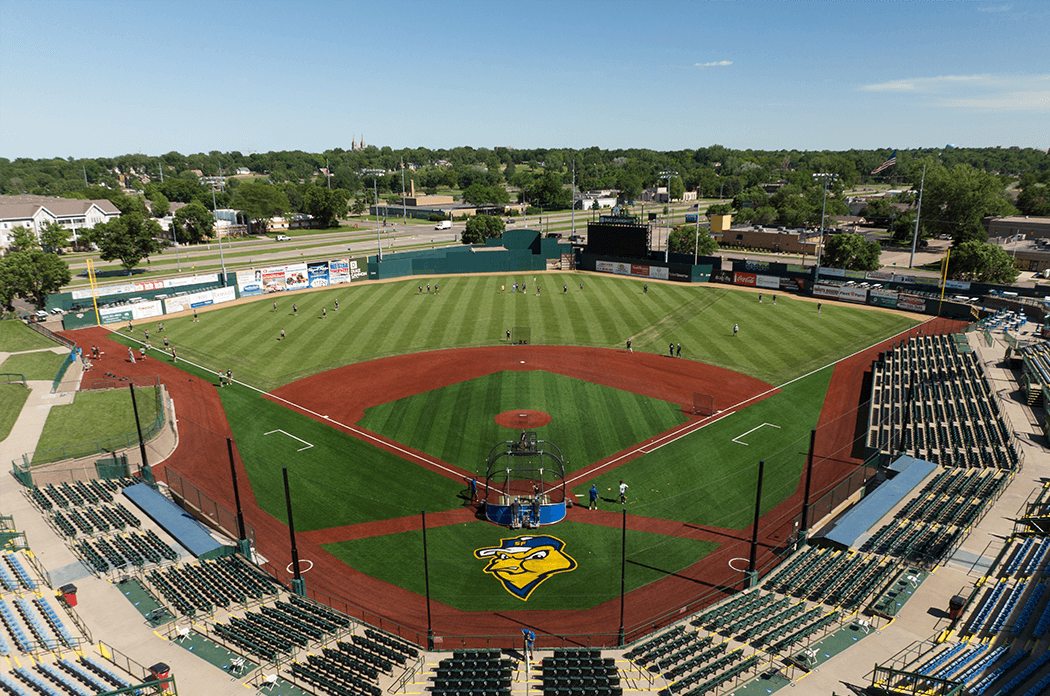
520,335
525,483
703,404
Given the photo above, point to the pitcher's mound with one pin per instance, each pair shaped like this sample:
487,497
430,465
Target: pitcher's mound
523,419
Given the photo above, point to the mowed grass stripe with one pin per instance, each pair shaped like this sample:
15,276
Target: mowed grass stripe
775,344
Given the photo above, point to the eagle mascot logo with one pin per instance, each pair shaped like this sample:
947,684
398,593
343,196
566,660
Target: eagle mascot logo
522,564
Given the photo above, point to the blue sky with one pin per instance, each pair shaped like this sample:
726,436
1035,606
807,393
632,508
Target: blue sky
96,78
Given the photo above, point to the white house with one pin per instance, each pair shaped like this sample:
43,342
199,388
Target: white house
34,212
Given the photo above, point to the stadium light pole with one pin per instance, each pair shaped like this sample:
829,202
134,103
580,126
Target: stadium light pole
825,178
215,214
668,174
918,213
375,194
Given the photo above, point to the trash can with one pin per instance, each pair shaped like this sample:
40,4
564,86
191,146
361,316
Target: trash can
160,671
69,594
955,606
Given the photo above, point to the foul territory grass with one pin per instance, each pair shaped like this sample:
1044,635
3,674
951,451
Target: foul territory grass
12,399
709,476
16,336
775,344
337,481
94,416
38,365
457,577
456,423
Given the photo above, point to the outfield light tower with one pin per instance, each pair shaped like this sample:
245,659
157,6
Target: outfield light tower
825,178
215,214
667,175
375,192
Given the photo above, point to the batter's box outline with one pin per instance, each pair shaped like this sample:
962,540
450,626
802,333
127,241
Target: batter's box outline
737,438
308,445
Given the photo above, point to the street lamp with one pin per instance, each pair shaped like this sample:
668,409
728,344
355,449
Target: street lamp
825,178
375,193
667,174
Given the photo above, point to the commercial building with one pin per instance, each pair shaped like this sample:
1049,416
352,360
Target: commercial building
1014,225
34,212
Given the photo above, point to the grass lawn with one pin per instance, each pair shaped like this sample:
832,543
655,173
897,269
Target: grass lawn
457,577
707,478
589,421
38,365
95,416
339,481
12,399
16,336
775,343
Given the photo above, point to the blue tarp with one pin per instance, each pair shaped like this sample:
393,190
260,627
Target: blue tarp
910,472
175,521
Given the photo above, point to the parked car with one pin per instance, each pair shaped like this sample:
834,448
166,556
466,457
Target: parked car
283,238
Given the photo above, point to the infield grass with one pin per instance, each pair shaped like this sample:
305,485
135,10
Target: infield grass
39,365
775,344
457,578
15,337
709,476
12,398
95,416
338,480
588,421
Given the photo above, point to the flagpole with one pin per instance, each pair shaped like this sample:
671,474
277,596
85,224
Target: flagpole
918,212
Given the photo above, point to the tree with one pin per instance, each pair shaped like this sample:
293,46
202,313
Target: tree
159,205
261,202
22,238
630,187
480,194
326,205
53,237
482,227
981,262
32,275
128,239
1034,199
509,171
719,209
956,200
675,188
684,240
193,223
546,191
851,252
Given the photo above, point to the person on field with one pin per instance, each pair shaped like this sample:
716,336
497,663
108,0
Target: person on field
131,354
594,497
337,305
645,289
629,346
295,309
324,312
275,305
195,314
623,492
818,307
473,489
282,334
760,298
678,351
508,335
736,328
670,350
174,358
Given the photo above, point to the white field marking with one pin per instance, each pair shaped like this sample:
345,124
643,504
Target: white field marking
739,570
737,438
290,571
308,445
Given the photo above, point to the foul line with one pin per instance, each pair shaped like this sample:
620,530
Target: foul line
737,438
308,445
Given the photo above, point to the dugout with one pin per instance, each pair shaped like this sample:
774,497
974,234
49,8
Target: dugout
525,483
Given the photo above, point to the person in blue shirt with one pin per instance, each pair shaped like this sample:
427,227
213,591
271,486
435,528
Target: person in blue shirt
594,497
530,639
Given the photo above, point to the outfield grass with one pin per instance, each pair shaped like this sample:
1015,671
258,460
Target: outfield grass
12,399
707,478
457,578
92,417
15,336
37,365
775,343
339,481
588,421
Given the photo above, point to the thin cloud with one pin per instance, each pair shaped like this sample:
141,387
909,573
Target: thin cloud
974,92
715,64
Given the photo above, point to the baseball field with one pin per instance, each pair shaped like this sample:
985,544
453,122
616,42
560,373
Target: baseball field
387,407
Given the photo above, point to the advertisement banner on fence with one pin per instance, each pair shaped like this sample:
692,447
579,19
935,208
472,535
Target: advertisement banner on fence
295,277
825,290
886,300
935,282
339,271
877,292
832,272
855,275
796,268
911,303
145,310
680,276
879,276
764,281
359,269
613,267
317,272
957,284
659,272
129,288
722,277
114,315
250,283
853,293
744,279
639,270
897,278
793,284
756,266
199,299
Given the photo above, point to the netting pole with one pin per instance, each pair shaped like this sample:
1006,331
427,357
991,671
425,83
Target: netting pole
751,572
809,479
623,572
426,582
147,473
298,585
242,542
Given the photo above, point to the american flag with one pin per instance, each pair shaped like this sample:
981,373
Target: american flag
887,164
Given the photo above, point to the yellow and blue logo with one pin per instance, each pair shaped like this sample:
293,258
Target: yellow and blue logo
523,563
